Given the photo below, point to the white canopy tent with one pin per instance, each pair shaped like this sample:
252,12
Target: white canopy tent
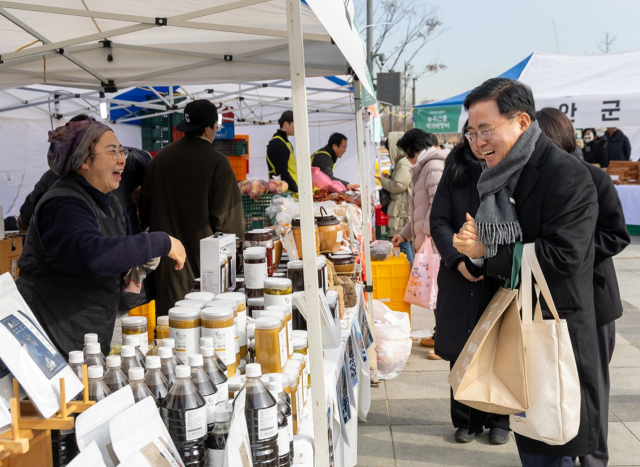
197,42
593,90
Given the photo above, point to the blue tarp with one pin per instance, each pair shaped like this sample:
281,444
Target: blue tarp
137,95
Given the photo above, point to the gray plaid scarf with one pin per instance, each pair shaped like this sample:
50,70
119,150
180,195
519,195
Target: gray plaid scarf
496,220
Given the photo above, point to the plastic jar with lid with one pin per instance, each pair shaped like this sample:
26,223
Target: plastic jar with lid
295,273
262,238
288,324
278,291
233,304
204,296
218,324
184,328
297,235
300,345
329,232
323,273
241,308
280,313
136,326
344,264
306,374
267,336
255,270
332,301
162,327
254,304
297,407
277,248
295,366
190,303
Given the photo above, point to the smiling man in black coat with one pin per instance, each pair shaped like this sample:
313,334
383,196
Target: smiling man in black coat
532,192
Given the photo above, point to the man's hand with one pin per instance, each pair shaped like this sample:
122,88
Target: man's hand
397,240
465,272
353,187
385,175
470,248
177,253
468,230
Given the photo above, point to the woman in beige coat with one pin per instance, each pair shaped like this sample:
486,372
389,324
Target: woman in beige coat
399,187
427,159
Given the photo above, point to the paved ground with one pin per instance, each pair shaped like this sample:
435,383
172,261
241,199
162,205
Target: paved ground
409,423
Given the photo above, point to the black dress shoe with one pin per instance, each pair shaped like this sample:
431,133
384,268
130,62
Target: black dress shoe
463,435
498,436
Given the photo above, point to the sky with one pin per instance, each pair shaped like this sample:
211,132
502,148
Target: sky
484,39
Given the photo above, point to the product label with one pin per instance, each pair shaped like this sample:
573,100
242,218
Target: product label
242,328
283,441
254,275
236,329
196,423
284,347
285,300
211,400
144,342
214,458
290,336
290,427
339,236
223,395
224,342
187,341
267,423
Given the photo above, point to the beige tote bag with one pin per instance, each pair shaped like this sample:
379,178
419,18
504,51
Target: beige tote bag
489,374
554,387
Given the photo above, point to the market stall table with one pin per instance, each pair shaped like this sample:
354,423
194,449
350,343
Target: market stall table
630,199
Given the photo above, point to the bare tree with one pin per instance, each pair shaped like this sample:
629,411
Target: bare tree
605,44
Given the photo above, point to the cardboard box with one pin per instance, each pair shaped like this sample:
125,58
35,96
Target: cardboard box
212,250
10,251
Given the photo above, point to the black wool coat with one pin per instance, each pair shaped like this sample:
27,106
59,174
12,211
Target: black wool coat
557,208
458,298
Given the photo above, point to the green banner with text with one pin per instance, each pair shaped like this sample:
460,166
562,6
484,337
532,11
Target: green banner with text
442,119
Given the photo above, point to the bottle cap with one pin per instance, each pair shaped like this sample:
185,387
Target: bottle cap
183,371
239,297
90,338
221,414
284,379
220,303
275,386
162,321
255,252
253,370
217,313
127,351
206,296
189,304
134,321
286,310
184,313
294,364
300,333
132,340
114,361
279,314
75,356
268,322
195,360
299,357
299,343
93,348
206,350
169,342
136,373
206,341
165,352
95,371
153,362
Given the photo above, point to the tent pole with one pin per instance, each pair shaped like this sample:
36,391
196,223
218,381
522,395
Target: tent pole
305,193
363,159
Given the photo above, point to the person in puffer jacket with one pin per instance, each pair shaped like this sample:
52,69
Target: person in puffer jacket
399,187
424,153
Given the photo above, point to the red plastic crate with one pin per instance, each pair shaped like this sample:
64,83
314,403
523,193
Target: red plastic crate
381,217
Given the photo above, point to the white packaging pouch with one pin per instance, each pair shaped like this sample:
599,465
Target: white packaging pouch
29,355
139,433
237,452
93,424
89,457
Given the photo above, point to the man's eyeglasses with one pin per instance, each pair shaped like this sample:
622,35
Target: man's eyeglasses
485,135
115,153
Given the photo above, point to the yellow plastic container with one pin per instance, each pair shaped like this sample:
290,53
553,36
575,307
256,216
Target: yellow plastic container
149,312
390,279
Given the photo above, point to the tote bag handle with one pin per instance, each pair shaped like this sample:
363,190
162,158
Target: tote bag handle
531,268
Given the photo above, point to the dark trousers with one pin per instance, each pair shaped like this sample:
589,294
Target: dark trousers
460,416
606,335
543,460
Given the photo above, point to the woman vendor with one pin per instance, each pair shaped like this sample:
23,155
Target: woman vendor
78,246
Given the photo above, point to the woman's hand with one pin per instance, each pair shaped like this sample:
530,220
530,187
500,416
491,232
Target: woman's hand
468,230
467,275
177,253
468,247
397,240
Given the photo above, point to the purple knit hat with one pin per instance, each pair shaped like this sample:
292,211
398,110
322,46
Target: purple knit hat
72,143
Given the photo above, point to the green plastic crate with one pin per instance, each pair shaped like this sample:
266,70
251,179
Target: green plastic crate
633,229
382,232
232,147
255,216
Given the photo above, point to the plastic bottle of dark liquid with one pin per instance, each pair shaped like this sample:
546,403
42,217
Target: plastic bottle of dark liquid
139,389
217,439
171,343
155,380
207,341
90,338
216,374
184,412
203,383
135,342
94,355
114,378
167,367
261,412
284,405
284,452
97,389
128,355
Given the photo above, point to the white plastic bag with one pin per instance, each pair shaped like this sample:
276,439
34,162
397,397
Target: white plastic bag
393,341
